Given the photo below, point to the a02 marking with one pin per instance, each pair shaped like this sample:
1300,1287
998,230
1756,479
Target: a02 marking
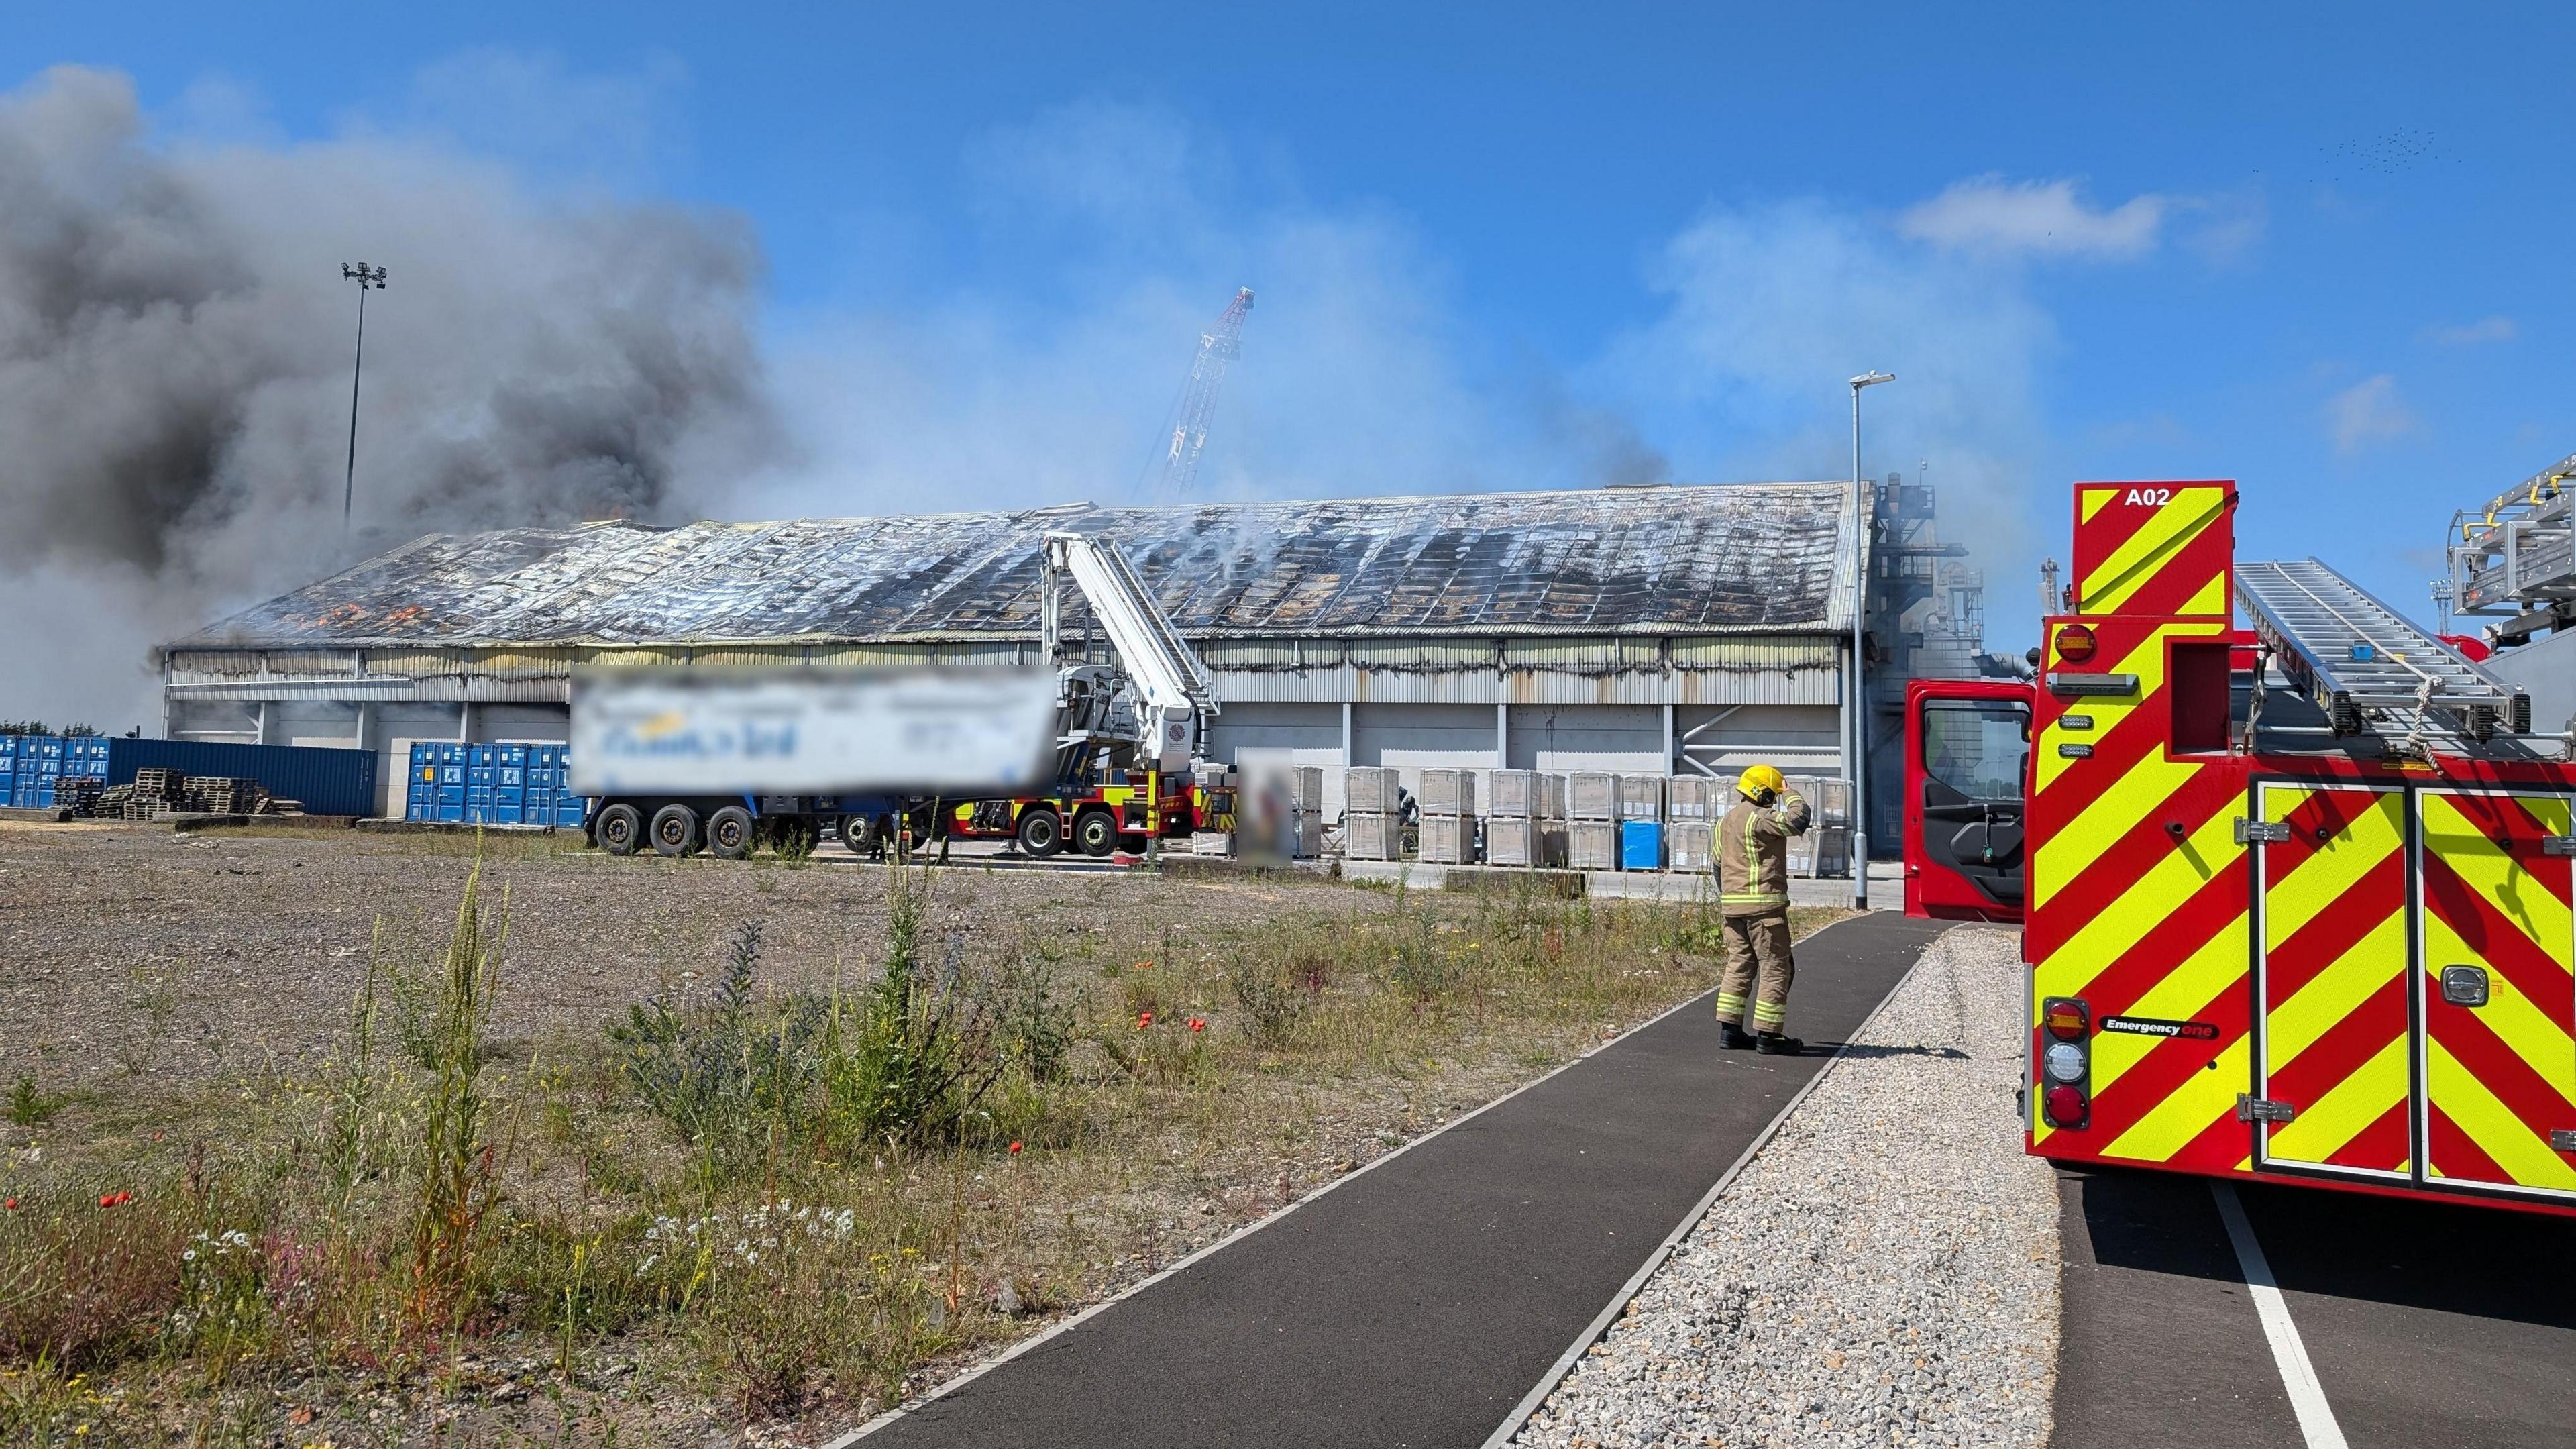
2148,498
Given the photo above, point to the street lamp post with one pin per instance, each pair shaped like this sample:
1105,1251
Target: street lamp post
1856,708
366,277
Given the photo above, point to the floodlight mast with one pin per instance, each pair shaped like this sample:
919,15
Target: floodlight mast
365,276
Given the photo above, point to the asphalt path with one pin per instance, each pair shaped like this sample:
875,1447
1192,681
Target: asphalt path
1417,1303
2426,1323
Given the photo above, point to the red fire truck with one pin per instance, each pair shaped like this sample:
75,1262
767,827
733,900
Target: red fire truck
1122,812
2295,893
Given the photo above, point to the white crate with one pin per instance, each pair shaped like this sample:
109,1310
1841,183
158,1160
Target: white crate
1369,788
1524,842
1306,837
1592,795
1448,792
1212,842
1687,843
1592,844
1828,798
1307,792
1528,795
1691,797
1825,850
1641,797
1373,835
1448,839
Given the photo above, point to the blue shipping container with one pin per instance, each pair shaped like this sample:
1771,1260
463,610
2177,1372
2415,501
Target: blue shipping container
1641,845
490,784
323,781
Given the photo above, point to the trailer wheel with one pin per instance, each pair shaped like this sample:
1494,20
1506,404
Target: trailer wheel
854,833
675,830
1041,831
729,833
1096,832
619,828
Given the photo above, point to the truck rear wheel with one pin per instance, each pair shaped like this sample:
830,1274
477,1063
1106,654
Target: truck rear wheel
675,830
618,829
1041,831
1096,831
729,833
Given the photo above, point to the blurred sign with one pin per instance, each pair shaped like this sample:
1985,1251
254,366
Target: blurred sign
949,730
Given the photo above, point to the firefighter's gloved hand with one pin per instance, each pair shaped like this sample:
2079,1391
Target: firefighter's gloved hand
1794,814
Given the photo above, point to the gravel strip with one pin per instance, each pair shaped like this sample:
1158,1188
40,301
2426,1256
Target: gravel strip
1884,1272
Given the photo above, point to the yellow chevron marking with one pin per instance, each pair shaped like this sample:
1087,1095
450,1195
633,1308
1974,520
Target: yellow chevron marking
2521,1025
2503,1137
2142,553
2293,1025
2147,661
2507,884
2096,499
2213,598
2193,983
2154,895
2187,1111
2291,904
2325,1125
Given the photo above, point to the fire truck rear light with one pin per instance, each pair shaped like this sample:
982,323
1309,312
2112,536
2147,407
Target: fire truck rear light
2066,1106
2066,1020
2065,1062
2075,643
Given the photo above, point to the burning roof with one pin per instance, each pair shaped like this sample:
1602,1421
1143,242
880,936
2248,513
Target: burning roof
1760,558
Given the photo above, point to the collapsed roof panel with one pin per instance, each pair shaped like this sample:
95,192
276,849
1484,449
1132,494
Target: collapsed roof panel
1746,558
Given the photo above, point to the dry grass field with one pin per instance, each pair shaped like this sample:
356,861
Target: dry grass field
339,1138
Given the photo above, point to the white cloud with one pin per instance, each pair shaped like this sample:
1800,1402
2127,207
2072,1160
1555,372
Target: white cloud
2497,328
1992,215
2367,413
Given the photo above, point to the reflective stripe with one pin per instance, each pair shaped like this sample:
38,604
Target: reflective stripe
1765,1011
1753,900
1729,1004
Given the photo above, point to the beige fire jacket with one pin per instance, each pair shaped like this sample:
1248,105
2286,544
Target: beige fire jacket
1752,854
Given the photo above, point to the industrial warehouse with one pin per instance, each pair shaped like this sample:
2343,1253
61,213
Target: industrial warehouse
1661,630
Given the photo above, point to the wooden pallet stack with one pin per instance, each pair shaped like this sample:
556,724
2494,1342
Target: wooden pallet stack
79,794
218,795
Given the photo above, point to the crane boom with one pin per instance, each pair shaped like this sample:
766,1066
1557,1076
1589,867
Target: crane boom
1217,348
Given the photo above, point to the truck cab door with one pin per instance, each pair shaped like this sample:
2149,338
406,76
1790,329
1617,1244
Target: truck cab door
1967,768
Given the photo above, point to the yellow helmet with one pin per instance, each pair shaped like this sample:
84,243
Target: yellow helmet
1758,779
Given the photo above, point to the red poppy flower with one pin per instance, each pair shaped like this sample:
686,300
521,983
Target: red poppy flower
1198,1023
13,1202
1144,1019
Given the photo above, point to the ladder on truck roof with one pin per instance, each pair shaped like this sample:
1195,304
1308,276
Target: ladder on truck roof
2365,664
1167,673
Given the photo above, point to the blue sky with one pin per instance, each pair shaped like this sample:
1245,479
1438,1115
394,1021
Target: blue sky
2316,249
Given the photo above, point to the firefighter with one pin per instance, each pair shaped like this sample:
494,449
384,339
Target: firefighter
1751,857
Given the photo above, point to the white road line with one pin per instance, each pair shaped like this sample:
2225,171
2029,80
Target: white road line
2307,1397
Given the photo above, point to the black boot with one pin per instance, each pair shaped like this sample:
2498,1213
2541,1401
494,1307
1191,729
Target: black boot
1773,1044
1733,1037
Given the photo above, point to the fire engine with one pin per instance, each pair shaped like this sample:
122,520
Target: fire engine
1116,810
2294,894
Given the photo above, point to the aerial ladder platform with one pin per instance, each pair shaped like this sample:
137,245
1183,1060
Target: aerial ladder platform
1173,693
2367,666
